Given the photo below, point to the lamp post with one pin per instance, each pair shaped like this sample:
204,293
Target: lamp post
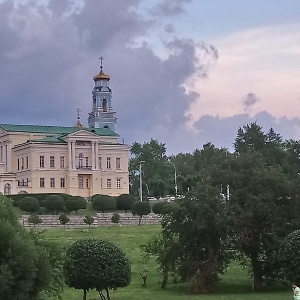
175,178
141,181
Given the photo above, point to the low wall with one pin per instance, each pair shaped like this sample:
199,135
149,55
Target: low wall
100,219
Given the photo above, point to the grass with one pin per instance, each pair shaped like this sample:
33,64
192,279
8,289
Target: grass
235,284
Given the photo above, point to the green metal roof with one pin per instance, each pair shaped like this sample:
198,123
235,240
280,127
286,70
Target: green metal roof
50,139
55,129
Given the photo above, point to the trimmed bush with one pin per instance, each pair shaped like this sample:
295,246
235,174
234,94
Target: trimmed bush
141,209
75,203
34,219
64,219
115,218
54,203
125,202
159,207
104,203
29,204
88,220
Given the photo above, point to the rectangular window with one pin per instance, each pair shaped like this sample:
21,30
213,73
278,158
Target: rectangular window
118,183
52,182
27,162
87,183
42,161
62,183
22,163
108,183
1,153
86,161
108,163
42,182
18,164
100,162
80,182
52,162
118,163
62,162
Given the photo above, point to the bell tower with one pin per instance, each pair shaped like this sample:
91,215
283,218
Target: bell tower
102,115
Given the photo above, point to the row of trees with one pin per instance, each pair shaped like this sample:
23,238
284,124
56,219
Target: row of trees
240,205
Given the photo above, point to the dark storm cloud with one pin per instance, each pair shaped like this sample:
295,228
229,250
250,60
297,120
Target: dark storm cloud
222,131
171,7
49,56
249,100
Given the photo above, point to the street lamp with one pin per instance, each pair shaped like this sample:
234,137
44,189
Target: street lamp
175,178
141,181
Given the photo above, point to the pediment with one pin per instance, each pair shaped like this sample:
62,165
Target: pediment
81,135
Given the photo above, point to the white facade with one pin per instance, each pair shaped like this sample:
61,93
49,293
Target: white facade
73,160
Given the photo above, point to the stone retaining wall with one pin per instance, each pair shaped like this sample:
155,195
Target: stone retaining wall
100,219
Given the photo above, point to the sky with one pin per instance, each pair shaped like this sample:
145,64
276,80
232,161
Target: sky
183,72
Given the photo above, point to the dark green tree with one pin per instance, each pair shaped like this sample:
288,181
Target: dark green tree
34,219
104,203
64,219
96,264
141,209
88,220
263,210
287,255
25,266
54,203
125,202
75,203
29,204
115,218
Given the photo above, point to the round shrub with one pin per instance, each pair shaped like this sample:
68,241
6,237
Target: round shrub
141,209
54,203
104,203
289,258
29,204
96,264
125,202
158,207
75,203
115,218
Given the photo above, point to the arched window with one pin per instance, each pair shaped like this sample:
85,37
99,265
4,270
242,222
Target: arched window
7,189
104,105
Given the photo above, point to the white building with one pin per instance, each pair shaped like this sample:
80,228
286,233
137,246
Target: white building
73,160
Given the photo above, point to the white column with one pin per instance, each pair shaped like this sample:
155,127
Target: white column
70,155
93,155
97,156
73,155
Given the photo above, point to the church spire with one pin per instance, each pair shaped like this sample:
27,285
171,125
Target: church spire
78,124
102,115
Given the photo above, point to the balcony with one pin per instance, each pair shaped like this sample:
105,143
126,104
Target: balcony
22,183
84,167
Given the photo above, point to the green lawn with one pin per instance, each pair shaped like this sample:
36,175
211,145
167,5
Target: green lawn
234,286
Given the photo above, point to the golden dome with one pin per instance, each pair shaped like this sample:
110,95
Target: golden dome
101,75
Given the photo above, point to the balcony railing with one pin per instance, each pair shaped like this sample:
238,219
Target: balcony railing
21,183
84,167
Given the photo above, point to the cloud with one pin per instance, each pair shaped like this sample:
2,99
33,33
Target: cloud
171,7
222,131
50,56
264,60
249,100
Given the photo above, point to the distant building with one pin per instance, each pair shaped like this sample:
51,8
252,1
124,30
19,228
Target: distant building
73,160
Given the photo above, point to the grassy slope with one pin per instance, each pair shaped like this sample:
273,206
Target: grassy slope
235,284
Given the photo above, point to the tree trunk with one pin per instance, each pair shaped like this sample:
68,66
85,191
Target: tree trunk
140,219
257,274
84,295
165,278
107,294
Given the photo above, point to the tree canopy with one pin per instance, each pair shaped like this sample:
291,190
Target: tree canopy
96,264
